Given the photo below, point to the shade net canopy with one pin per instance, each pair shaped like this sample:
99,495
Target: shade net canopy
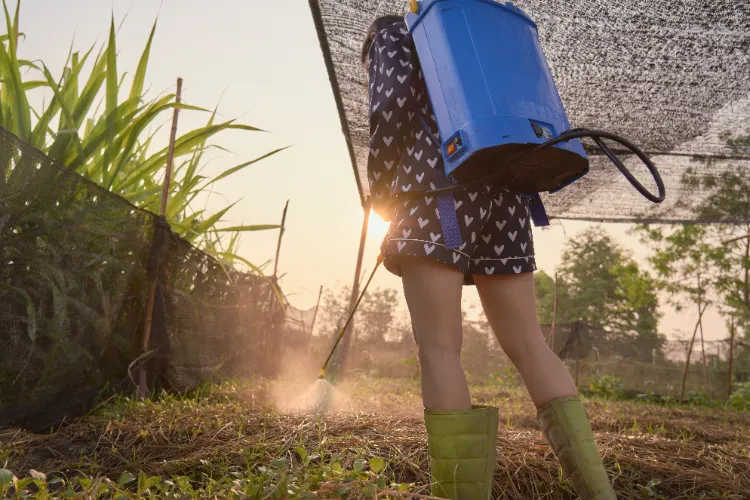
672,77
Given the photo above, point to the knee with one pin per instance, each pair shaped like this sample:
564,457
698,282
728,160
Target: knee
525,351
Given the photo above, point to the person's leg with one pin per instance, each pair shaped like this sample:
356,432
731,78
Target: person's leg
510,306
461,438
433,295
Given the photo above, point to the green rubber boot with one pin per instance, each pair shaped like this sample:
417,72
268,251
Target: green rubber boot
462,452
566,426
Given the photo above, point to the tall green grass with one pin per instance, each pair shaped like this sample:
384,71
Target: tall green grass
88,126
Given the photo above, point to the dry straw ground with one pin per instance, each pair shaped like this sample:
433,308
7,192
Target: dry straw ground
193,444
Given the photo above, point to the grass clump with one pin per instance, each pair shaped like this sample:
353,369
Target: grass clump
301,475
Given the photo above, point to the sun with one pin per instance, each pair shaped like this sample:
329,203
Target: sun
377,227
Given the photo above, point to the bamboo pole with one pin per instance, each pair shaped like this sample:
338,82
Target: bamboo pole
554,318
577,345
355,340
731,358
315,315
269,335
355,286
703,347
690,351
146,337
278,243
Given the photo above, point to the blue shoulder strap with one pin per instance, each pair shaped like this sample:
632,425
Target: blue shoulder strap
446,201
538,213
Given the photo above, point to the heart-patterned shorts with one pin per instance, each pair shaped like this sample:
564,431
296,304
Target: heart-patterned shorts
495,227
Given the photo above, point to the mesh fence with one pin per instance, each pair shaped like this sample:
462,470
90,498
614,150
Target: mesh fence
673,77
649,364
299,325
598,361
73,289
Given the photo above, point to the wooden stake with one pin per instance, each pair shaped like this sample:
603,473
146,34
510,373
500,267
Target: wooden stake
269,335
731,357
703,347
170,153
315,315
554,318
355,285
690,351
578,343
146,337
281,235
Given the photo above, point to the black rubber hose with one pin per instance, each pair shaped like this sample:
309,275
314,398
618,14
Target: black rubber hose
596,136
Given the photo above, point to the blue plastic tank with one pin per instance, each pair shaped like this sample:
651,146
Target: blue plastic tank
493,94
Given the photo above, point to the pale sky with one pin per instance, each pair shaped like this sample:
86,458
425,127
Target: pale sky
261,60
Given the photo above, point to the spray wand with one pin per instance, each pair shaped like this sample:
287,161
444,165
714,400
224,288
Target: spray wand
349,319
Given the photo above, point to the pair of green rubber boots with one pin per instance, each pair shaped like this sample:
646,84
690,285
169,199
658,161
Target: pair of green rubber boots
462,450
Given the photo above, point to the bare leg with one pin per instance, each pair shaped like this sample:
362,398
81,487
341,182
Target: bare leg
510,306
433,294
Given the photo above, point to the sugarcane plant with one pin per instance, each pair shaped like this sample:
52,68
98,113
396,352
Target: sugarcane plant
87,126
67,248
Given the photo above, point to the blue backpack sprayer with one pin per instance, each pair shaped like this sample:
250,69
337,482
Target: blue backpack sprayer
498,111
499,115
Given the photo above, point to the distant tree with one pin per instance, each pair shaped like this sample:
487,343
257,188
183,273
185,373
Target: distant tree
375,318
334,309
480,352
604,288
681,258
686,253
373,321
725,203
544,290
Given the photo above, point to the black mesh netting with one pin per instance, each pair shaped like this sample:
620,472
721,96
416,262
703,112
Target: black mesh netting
579,340
73,289
673,77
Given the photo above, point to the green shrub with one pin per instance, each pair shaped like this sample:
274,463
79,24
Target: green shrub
606,386
697,398
740,398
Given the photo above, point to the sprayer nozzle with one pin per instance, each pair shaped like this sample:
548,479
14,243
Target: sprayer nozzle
322,374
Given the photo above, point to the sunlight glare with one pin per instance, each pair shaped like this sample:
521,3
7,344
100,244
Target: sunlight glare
377,228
